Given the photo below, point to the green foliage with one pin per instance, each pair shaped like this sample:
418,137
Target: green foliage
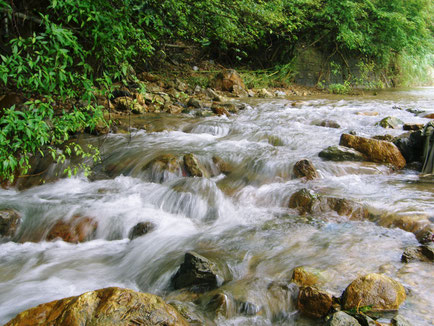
339,88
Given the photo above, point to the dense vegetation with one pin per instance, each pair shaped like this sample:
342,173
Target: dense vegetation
63,55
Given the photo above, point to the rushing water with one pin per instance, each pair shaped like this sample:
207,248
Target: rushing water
242,219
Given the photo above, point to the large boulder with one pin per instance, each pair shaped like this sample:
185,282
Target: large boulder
376,290
197,272
341,318
305,169
313,302
77,229
9,222
411,146
227,79
341,153
109,306
375,150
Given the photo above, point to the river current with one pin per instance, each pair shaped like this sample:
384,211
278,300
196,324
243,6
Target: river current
242,219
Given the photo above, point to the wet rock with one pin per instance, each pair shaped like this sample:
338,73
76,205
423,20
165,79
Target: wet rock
109,306
187,310
305,169
304,201
365,320
77,229
341,318
313,302
390,122
125,104
175,109
165,162
418,224
140,229
380,291
345,207
413,126
263,93
375,150
197,272
10,220
305,276
341,153
429,116
193,167
193,102
226,80
328,124
221,165
411,146
398,320
220,110
239,91
222,305
420,253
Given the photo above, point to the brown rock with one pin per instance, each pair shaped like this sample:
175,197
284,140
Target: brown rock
375,150
165,162
345,207
368,113
226,80
109,306
304,277
77,229
304,201
313,302
378,290
305,169
9,222
220,110
126,104
429,116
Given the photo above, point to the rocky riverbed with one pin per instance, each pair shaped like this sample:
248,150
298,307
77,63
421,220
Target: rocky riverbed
274,209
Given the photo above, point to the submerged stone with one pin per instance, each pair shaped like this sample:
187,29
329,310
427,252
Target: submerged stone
77,229
420,253
10,220
109,306
140,229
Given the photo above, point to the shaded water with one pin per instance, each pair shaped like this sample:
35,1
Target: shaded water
242,219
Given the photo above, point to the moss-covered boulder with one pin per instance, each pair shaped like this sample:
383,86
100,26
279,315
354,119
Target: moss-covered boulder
109,306
376,290
375,150
390,122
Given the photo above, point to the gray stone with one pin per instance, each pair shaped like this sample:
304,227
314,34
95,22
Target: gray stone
341,318
194,103
140,229
390,122
197,272
398,320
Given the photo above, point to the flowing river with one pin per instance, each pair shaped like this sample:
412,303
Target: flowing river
242,219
